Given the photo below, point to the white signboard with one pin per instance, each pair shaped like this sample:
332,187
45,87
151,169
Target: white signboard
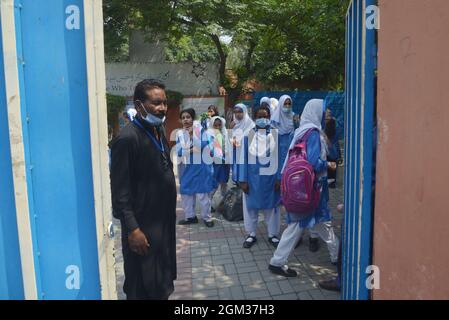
188,78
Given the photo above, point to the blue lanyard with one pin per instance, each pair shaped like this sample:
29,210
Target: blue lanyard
160,145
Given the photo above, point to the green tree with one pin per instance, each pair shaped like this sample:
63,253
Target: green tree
306,47
284,44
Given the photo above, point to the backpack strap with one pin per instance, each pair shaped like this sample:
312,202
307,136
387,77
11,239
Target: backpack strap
304,140
307,134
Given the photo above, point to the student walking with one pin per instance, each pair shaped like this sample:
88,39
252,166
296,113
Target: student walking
318,220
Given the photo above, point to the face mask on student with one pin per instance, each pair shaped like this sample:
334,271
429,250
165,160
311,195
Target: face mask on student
286,110
152,119
262,123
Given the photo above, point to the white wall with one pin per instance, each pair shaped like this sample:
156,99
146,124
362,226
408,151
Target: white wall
201,104
187,78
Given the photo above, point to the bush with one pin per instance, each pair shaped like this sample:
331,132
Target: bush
115,105
174,98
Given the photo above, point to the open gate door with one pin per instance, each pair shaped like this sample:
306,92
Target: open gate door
359,120
56,105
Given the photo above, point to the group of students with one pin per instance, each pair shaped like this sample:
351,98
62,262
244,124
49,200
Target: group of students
255,149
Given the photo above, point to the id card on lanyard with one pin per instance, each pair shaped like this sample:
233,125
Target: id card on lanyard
158,144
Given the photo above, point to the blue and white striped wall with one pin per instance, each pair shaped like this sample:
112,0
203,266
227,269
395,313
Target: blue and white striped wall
54,187
359,112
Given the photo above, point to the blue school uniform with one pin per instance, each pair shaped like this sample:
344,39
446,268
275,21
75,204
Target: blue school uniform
322,213
221,173
196,177
334,150
234,164
221,169
284,142
261,187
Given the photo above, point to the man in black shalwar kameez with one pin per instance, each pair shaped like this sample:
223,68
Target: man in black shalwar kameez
144,197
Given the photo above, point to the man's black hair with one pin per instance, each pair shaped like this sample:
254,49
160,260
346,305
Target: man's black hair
189,111
140,92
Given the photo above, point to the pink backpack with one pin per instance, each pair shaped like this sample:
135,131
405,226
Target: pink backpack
299,189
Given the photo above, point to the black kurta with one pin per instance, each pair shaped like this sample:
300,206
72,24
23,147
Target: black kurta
144,195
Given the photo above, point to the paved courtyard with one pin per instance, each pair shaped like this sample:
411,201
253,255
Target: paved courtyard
212,264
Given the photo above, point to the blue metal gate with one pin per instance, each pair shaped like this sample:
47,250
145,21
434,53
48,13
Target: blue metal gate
10,272
359,115
55,114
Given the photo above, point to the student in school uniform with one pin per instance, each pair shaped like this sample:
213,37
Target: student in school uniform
197,176
318,221
221,147
282,120
334,146
258,179
212,111
240,126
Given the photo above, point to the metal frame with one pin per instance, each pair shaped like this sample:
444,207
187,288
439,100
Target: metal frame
360,62
14,66
20,172
96,78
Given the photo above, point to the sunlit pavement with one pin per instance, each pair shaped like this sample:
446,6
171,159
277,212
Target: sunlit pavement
212,264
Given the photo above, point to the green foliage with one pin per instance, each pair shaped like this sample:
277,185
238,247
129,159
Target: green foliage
174,98
188,48
282,44
203,116
115,105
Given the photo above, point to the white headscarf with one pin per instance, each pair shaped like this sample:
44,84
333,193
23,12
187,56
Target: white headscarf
281,120
274,104
311,118
223,131
242,127
266,100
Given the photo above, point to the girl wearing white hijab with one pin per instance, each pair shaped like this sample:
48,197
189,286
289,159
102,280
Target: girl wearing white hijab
221,150
282,120
260,185
241,126
266,100
274,104
320,220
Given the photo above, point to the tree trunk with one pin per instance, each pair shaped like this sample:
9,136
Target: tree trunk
223,57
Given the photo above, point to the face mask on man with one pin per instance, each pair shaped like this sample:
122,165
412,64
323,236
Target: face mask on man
152,119
262,123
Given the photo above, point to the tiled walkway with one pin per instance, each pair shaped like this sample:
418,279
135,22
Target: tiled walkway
212,264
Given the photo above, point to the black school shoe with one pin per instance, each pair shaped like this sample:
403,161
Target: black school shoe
314,244
330,285
284,271
209,224
274,241
249,242
188,221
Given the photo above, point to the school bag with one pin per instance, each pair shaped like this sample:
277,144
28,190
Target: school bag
300,193
231,207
